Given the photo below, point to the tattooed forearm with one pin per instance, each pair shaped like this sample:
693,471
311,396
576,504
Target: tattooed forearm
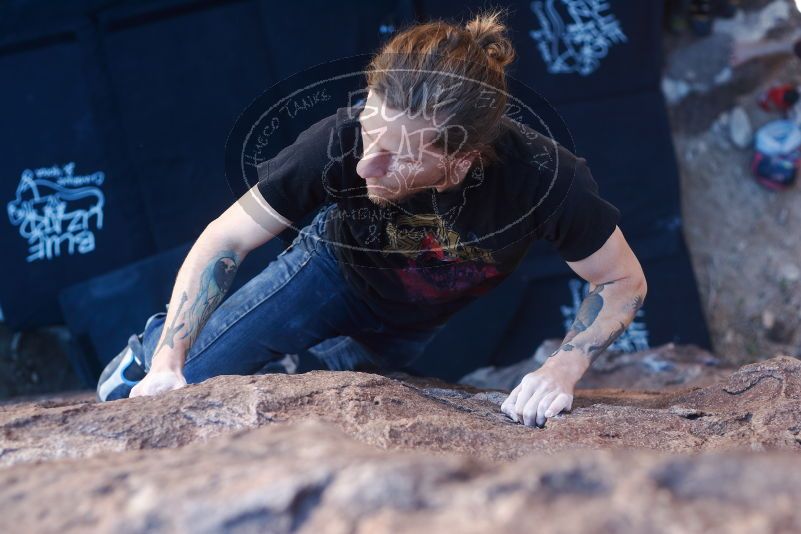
215,281
169,332
595,350
602,317
214,284
590,307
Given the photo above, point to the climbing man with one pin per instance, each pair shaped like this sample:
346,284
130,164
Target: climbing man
428,194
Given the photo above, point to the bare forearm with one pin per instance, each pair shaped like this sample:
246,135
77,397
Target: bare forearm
202,282
604,314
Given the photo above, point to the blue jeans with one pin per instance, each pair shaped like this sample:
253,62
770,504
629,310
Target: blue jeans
300,301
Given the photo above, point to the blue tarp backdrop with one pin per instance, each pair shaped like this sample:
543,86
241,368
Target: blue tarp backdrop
116,115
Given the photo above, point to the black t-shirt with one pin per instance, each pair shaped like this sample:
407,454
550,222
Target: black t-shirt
420,260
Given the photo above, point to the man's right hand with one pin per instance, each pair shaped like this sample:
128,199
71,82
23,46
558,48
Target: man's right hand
156,382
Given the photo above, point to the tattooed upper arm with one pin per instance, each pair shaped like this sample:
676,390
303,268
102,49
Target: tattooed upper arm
613,261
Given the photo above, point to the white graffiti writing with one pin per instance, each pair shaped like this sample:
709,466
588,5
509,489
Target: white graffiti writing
633,339
57,211
577,42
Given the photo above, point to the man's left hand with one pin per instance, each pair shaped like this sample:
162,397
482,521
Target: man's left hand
541,394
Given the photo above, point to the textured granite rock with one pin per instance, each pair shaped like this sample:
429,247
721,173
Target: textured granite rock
354,452
310,477
661,368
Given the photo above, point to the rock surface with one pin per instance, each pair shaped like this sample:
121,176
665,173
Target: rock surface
310,477
355,452
661,368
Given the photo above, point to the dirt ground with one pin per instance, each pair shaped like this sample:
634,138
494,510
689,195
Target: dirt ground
745,240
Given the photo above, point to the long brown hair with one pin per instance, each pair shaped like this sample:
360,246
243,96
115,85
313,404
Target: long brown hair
452,70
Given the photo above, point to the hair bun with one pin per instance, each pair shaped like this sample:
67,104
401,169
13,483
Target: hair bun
489,32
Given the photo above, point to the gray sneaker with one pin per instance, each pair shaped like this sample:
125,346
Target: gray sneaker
122,373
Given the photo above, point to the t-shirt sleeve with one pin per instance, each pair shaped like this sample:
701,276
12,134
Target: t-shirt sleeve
293,182
579,220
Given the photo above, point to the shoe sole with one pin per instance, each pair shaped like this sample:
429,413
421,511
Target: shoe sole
113,375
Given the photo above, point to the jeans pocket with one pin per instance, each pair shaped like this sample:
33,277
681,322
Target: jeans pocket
312,235
287,249
292,245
